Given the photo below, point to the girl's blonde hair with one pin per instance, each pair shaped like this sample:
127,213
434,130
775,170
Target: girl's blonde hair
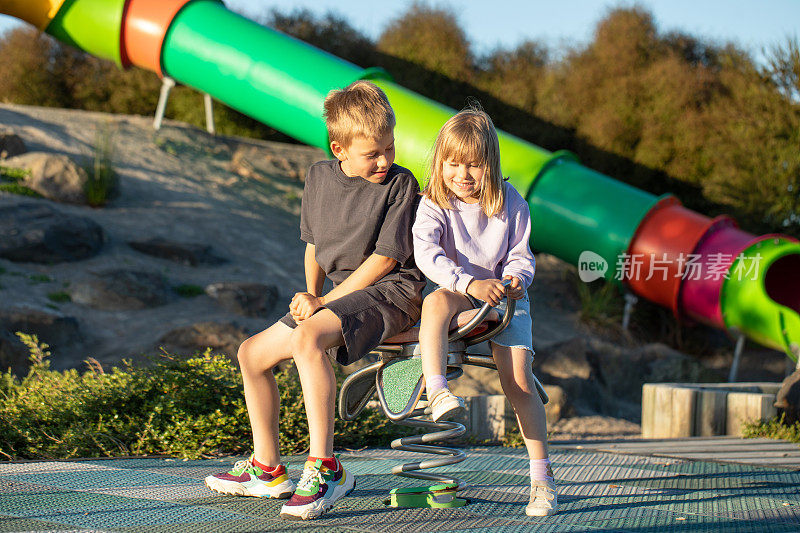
468,137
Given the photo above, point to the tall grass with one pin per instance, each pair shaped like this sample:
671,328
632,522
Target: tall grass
103,182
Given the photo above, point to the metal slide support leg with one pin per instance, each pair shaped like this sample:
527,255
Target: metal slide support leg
209,114
630,301
737,356
166,86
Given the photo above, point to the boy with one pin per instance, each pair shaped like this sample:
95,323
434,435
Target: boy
356,219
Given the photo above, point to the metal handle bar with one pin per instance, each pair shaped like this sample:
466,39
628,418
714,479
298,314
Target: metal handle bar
478,318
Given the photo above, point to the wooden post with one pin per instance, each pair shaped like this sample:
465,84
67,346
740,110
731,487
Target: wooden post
663,413
747,407
682,416
648,410
710,413
676,410
487,417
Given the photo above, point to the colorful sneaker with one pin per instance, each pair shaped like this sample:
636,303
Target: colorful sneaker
445,405
246,479
544,500
318,490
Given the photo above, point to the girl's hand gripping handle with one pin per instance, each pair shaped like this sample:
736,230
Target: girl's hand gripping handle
490,291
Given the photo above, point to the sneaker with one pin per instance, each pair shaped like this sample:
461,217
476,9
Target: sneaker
246,479
318,490
445,405
544,500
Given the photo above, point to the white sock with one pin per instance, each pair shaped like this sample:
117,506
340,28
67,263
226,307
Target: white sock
541,470
435,384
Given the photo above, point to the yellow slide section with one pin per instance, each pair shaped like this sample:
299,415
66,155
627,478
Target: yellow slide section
37,12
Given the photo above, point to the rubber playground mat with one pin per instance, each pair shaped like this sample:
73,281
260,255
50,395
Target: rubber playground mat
598,491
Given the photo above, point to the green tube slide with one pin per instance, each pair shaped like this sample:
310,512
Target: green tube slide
761,297
91,25
260,72
575,209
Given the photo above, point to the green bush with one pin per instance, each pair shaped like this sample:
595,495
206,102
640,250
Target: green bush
775,428
16,188
13,174
187,290
59,297
10,179
188,407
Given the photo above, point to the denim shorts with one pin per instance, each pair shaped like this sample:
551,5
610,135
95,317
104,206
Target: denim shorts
519,332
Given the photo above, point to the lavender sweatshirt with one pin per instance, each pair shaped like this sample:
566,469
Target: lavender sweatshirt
454,246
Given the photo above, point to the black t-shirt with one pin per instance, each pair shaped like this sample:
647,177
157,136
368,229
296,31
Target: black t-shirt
348,219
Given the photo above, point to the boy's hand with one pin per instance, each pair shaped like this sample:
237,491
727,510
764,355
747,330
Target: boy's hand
303,305
514,290
487,290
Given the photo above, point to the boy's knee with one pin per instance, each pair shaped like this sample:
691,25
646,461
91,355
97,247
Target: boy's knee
304,343
244,352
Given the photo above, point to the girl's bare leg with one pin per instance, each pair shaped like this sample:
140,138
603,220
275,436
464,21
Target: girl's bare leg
516,378
438,311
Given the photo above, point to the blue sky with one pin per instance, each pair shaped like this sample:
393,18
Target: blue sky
753,24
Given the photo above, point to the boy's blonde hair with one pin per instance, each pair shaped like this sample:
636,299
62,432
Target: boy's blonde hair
360,109
468,137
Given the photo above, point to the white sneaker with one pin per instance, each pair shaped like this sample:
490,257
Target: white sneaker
445,405
544,499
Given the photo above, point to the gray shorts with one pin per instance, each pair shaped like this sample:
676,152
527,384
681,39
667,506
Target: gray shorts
519,332
368,318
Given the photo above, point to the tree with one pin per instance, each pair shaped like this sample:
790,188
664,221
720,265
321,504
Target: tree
514,75
432,38
27,71
783,67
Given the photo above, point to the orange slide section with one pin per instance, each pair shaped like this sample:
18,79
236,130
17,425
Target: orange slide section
36,12
146,25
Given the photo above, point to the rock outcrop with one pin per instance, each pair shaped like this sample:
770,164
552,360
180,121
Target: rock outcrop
191,254
54,176
55,329
247,299
37,233
221,338
122,289
11,145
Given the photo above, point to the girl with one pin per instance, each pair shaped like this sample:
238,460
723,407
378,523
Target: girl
471,233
